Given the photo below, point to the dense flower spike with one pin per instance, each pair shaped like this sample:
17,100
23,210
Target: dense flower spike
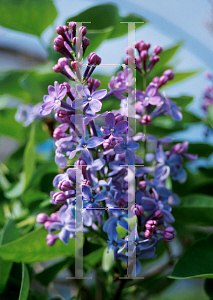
101,148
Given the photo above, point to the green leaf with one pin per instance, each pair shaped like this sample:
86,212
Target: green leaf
45,277
122,29
29,156
107,260
180,76
16,189
198,182
197,261
9,126
94,257
182,101
201,149
25,283
167,55
210,116
105,23
36,84
32,248
208,287
12,79
195,209
27,16
10,233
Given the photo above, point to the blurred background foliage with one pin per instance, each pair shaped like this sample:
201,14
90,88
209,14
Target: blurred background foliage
29,269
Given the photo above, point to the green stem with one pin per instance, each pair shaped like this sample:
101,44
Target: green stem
144,82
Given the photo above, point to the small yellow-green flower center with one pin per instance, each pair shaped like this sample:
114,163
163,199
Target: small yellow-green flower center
89,98
92,200
56,101
123,191
147,98
115,244
112,129
84,145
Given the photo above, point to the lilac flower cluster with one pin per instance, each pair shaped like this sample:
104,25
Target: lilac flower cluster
105,152
208,93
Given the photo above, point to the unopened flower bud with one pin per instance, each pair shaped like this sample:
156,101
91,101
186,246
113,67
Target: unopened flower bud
130,51
144,55
169,73
107,144
163,80
60,30
148,234
41,218
51,239
151,224
63,61
157,49
64,185
86,182
80,162
169,234
146,119
142,185
158,214
82,30
137,209
47,224
59,198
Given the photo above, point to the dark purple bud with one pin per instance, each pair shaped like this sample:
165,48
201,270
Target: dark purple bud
158,214
64,185
63,113
97,83
142,46
60,30
51,239
75,64
118,118
157,49
154,58
146,119
82,30
65,84
148,46
169,234
137,44
163,80
59,41
86,42
137,209
144,55
142,185
42,218
86,182
66,28
72,26
169,74
148,234
59,198
57,68
80,162
92,58
151,224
